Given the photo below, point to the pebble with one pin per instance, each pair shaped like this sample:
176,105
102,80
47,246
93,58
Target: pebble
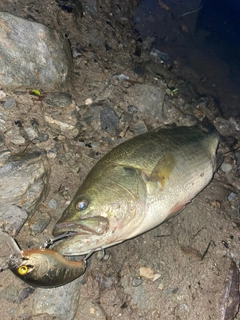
4,155
58,99
137,281
226,167
2,122
51,154
2,140
2,94
109,119
88,101
23,182
39,222
232,196
10,103
14,137
52,204
9,293
25,293
41,138
138,127
30,133
132,109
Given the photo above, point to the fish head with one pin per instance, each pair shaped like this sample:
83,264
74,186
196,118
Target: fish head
102,213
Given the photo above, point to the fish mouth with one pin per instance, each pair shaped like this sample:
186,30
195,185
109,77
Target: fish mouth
85,226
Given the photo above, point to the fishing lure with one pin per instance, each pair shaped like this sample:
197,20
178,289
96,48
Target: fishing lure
43,267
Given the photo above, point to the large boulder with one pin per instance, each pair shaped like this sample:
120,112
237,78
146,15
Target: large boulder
32,55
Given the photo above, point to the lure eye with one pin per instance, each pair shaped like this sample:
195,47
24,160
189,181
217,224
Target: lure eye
82,205
23,270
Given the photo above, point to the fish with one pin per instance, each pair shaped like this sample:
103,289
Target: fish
45,268
136,186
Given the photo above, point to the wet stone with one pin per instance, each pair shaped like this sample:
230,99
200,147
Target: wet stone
9,293
41,138
2,140
60,302
2,122
132,109
13,217
23,63
10,103
2,94
52,204
63,120
25,293
15,137
23,183
58,99
39,222
148,99
29,133
226,167
137,281
109,119
4,155
138,127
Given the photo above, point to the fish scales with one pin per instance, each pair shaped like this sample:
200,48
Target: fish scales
137,186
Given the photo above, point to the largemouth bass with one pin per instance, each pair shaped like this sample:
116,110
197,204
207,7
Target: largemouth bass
137,186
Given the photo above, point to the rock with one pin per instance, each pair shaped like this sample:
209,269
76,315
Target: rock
52,204
25,293
2,139
132,109
4,155
23,185
38,222
9,293
2,122
148,99
60,302
29,133
2,94
10,103
62,120
23,63
14,136
226,167
12,218
138,127
58,99
109,119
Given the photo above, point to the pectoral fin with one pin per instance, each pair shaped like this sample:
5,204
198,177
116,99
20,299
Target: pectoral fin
163,169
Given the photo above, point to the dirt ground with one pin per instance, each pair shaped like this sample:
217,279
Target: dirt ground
194,256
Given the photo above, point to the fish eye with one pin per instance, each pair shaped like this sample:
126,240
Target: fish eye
22,270
82,204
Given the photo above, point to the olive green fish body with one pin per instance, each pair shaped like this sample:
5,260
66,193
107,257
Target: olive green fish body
45,268
137,186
